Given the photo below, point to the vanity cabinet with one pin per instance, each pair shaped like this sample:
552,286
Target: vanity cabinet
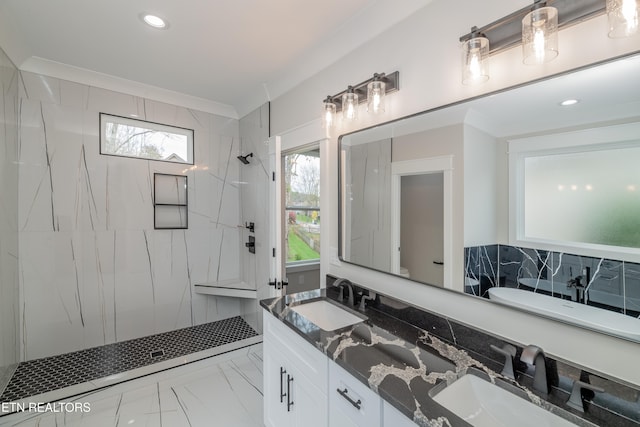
295,378
394,418
352,403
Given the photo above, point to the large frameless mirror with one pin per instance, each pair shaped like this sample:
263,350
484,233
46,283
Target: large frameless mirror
528,197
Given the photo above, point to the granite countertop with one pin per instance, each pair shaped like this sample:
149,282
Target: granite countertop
399,361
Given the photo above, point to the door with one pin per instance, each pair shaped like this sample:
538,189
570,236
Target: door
422,242
276,269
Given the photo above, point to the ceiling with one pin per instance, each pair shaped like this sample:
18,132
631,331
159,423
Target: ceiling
240,53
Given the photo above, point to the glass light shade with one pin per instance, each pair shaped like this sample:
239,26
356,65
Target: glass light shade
475,60
540,36
375,96
328,113
350,105
623,17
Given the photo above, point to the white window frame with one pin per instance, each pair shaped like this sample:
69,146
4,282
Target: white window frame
617,136
105,117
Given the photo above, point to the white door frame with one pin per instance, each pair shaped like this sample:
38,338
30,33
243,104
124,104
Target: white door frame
427,165
275,213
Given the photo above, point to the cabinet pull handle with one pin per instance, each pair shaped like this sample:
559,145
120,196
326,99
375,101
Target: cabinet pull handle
282,372
344,393
289,401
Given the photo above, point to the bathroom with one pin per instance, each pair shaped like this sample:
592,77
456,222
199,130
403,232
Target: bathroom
89,224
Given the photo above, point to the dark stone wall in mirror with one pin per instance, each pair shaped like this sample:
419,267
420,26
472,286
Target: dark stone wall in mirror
598,282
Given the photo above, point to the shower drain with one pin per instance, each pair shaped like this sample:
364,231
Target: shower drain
157,353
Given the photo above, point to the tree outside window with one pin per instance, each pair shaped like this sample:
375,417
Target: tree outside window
302,205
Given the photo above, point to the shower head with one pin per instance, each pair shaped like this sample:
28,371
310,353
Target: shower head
244,159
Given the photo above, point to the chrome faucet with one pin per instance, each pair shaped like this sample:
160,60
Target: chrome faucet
341,283
533,356
509,352
364,298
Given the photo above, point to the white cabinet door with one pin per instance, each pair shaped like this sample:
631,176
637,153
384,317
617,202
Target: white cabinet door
275,383
295,379
351,403
394,418
309,403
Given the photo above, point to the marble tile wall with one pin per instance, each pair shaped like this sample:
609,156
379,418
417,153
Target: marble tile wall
9,290
613,285
368,181
254,193
92,268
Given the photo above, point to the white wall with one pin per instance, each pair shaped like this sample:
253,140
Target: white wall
424,48
92,268
9,308
480,187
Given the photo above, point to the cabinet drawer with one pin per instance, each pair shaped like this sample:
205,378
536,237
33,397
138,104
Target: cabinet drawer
307,360
352,403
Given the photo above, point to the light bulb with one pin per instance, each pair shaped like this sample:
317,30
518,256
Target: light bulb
329,112
350,104
623,17
540,35
475,54
376,90
538,45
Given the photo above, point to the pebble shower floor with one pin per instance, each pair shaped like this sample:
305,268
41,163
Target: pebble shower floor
51,373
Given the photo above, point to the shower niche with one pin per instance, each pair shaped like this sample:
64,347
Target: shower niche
170,205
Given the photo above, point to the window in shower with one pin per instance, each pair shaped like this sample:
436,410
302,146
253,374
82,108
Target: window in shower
126,137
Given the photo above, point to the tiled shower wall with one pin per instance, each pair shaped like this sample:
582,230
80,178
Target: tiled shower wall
614,285
368,181
92,268
9,307
255,178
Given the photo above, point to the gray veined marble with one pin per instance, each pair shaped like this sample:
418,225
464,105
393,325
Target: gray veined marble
92,269
610,285
404,354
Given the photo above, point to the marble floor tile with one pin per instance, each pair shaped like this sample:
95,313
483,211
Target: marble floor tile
224,390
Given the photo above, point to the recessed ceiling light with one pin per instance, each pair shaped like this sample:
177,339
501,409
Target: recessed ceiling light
568,102
154,21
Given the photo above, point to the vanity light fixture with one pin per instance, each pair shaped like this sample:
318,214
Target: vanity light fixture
540,34
623,17
154,21
372,91
328,112
376,95
350,104
475,58
536,27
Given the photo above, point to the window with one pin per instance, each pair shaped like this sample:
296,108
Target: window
578,192
121,136
302,206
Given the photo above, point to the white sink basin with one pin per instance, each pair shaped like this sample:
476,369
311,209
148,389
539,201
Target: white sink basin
483,404
326,315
